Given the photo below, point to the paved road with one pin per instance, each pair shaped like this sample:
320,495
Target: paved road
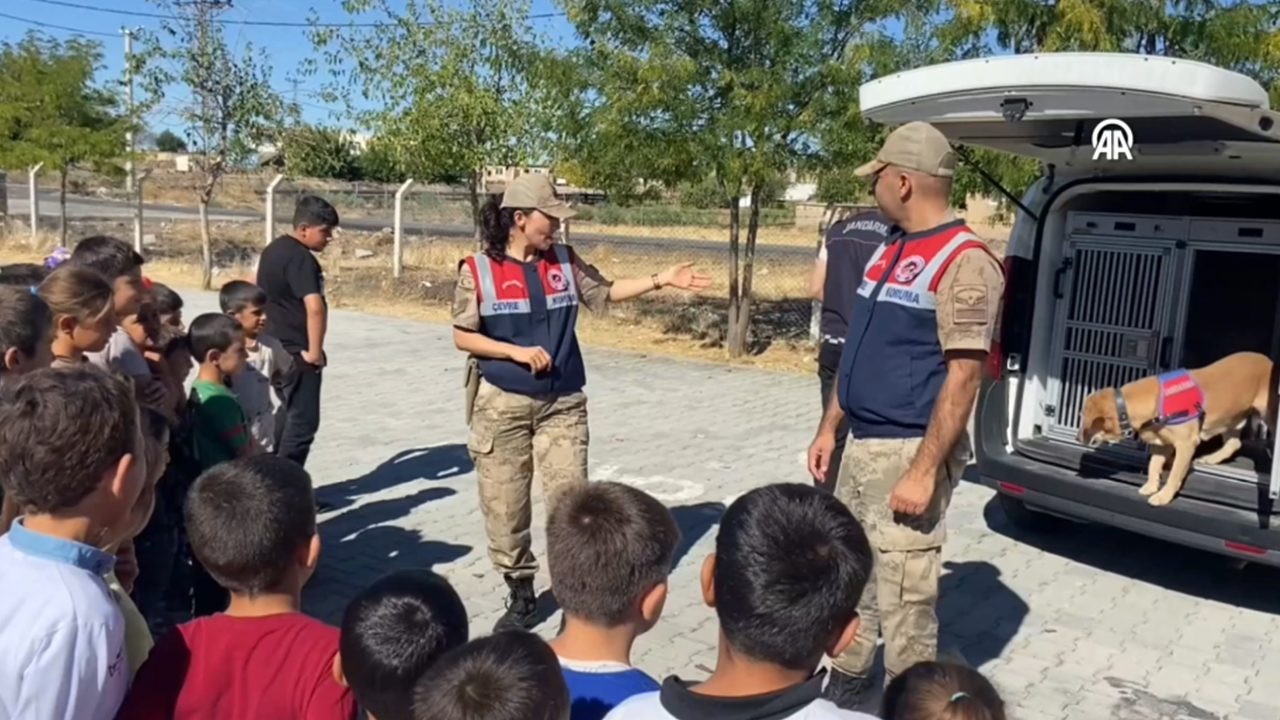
92,208
1093,624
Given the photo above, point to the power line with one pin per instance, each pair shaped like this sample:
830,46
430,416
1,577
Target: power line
51,26
249,23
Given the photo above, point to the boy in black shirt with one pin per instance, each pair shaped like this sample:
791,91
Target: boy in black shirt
297,315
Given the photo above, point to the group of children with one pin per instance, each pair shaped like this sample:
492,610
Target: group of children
128,499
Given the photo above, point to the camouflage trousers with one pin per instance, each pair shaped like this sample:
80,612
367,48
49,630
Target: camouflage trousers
901,596
512,437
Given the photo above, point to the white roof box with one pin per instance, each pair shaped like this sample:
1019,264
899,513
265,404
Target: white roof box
1047,105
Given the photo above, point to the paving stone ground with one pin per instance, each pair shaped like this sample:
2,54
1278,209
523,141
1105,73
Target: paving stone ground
1089,623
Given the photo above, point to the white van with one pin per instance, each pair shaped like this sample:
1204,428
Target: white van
1117,268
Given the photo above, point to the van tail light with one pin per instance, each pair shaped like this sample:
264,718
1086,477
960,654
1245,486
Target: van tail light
995,356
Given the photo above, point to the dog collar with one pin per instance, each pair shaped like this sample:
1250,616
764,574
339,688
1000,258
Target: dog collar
1122,414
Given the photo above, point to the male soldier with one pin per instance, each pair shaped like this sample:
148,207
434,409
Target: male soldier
845,252
921,325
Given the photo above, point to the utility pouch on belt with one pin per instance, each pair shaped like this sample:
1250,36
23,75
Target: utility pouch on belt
472,382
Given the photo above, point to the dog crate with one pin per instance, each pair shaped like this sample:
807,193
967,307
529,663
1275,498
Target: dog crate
1138,295
1115,288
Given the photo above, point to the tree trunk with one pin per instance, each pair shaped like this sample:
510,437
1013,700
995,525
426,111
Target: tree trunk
473,195
740,328
206,246
62,207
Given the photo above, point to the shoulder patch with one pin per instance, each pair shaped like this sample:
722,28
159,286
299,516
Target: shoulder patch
970,305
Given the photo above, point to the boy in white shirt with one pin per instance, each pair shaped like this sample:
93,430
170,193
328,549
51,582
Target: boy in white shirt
259,385
71,457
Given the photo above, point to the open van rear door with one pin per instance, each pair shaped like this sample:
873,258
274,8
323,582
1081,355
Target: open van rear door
1047,106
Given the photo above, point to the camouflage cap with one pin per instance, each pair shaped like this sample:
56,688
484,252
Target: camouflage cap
533,191
916,146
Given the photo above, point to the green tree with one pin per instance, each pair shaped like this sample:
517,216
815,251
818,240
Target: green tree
378,163
680,90
452,88
231,110
168,141
319,152
51,111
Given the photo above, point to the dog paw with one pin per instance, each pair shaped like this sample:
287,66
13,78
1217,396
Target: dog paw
1148,489
1160,500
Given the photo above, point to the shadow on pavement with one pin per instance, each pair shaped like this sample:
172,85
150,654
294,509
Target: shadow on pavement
694,521
978,614
430,463
1137,557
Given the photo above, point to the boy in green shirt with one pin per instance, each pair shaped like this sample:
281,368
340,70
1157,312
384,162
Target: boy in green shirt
218,429
218,426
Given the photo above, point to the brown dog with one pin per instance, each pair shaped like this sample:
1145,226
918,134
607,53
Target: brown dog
1218,399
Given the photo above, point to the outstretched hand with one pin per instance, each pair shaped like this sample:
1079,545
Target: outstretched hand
684,277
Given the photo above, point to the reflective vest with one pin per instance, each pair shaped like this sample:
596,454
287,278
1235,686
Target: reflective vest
530,304
892,367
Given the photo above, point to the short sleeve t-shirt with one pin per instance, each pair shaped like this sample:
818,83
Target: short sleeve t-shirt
218,423
121,354
595,688
217,667
257,388
287,273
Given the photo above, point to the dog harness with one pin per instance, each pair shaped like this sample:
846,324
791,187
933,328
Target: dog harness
1180,401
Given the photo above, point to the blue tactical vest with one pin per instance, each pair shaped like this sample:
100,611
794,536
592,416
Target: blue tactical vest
849,244
892,367
530,304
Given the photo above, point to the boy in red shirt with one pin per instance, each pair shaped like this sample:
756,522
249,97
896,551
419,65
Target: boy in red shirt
252,525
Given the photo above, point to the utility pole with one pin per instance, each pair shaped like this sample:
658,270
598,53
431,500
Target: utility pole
130,145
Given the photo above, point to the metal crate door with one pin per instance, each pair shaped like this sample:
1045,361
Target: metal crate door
1112,323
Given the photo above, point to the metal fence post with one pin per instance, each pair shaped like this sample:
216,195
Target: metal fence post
269,218
138,179
815,314
397,257
34,202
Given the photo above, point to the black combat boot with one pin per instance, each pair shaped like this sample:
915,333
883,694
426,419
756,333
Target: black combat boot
522,606
845,691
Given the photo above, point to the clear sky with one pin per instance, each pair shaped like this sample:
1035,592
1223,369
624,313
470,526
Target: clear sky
288,46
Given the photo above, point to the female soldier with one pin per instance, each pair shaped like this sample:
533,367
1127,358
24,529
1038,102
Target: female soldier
514,311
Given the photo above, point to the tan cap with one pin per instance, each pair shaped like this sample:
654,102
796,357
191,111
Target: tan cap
916,146
533,191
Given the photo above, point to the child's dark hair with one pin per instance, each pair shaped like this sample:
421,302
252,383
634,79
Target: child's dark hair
60,431
393,632
941,691
79,292
791,563
170,340
165,300
247,519
606,544
212,331
511,675
314,211
24,322
112,257
495,226
238,295
23,274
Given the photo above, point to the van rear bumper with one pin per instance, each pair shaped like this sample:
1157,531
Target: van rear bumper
1216,528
